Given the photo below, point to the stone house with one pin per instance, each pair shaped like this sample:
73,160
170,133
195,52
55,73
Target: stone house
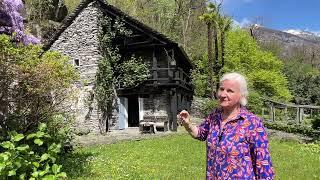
167,91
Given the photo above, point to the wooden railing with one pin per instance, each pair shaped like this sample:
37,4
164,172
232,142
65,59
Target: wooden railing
167,77
170,76
300,110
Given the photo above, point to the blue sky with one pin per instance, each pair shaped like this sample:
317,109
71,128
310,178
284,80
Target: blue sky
276,14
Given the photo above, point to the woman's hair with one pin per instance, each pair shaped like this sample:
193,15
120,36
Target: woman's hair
243,85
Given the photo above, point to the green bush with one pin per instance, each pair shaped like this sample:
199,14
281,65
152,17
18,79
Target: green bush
34,88
316,122
208,105
295,128
30,156
255,103
59,128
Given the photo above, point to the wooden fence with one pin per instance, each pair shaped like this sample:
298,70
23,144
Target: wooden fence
301,110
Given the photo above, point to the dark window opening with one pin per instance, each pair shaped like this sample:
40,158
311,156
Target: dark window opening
77,62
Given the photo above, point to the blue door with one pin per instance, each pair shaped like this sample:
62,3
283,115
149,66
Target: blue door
123,115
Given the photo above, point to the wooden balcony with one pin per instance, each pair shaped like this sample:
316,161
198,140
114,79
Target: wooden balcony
168,77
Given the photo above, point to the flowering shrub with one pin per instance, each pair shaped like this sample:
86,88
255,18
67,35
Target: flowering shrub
11,22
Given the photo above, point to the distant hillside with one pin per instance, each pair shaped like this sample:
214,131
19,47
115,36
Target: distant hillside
304,34
305,46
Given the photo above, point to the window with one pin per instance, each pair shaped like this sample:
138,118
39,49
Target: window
76,62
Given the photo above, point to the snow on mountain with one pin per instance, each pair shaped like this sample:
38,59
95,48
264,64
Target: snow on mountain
304,34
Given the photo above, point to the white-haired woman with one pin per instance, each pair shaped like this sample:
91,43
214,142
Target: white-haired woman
237,143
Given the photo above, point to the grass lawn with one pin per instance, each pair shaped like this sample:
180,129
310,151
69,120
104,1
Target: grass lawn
179,157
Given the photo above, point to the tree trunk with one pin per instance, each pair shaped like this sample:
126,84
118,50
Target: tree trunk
216,63
210,60
222,49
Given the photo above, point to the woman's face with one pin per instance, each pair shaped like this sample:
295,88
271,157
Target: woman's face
229,94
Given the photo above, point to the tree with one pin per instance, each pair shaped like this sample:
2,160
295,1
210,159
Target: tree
303,82
224,24
210,18
176,19
217,25
263,69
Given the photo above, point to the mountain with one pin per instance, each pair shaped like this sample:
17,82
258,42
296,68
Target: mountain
299,44
304,34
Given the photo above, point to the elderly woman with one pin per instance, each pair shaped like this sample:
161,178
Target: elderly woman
237,143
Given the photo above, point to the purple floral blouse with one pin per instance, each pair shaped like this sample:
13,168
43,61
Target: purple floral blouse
238,151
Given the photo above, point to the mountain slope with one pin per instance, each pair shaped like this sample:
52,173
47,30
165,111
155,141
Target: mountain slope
305,46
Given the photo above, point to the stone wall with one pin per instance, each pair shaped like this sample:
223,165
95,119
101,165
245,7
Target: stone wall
81,43
156,105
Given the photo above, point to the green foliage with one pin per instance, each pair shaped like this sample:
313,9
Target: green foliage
30,156
112,68
303,82
104,83
176,19
60,128
294,128
39,10
316,122
262,69
255,103
71,4
200,77
33,87
208,105
133,72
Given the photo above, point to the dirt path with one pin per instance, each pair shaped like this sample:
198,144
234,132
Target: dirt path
134,134
119,135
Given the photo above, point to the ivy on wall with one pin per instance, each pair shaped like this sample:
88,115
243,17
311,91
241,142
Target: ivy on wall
112,69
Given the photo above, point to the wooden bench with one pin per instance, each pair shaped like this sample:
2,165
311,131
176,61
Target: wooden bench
147,127
159,123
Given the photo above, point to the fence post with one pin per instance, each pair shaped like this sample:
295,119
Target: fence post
286,113
272,112
301,116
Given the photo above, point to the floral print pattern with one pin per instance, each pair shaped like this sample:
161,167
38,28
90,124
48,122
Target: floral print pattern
238,151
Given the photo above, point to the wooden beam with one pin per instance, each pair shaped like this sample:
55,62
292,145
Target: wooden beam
154,65
174,112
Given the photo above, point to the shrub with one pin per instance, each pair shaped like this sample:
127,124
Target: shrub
316,122
255,103
295,128
33,88
30,156
208,106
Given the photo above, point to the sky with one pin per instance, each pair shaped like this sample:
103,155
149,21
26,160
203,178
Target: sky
276,14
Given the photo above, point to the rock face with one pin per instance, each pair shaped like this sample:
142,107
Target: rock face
289,44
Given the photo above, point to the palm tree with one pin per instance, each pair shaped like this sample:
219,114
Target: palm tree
224,24
210,18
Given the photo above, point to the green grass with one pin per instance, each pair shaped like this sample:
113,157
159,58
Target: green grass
179,157
293,160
